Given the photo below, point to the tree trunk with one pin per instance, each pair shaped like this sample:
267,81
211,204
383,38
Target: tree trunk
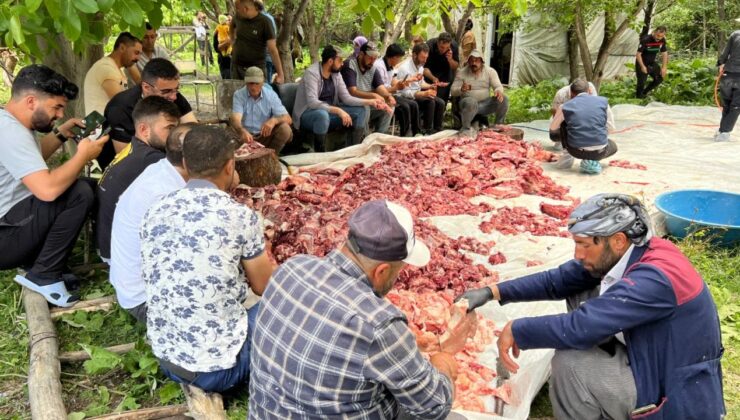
8,61
583,49
572,53
447,21
292,14
407,34
315,32
394,29
649,10
610,36
463,20
721,34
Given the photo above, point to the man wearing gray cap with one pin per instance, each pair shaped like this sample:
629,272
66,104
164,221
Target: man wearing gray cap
326,343
259,115
473,85
641,336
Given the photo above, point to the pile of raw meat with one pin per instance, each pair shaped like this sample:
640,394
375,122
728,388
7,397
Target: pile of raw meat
308,214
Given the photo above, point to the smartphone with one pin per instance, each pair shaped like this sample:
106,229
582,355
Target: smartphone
105,131
404,78
92,122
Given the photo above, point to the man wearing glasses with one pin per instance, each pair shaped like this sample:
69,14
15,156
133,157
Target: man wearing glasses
159,78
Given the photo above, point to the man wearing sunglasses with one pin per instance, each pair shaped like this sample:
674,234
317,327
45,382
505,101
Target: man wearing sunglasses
159,78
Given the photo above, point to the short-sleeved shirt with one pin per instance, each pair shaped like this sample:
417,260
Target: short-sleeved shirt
650,47
251,40
116,178
354,77
119,116
192,243
158,180
325,346
256,111
20,155
437,63
408,69
386,72
95,96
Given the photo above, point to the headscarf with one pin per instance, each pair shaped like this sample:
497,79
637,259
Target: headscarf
358,42
607,214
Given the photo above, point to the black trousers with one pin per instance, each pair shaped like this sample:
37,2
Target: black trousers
729,90
654,72
407,113
224,66
432,110
42,234
610,149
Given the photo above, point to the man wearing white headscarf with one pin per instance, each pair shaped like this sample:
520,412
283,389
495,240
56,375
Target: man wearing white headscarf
641,336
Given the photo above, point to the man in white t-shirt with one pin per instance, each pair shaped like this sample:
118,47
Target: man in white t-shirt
563,95
155,182
105,78
41,210
431,107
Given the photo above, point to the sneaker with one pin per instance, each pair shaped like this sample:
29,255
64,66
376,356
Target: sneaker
722,137
565,161
591,167
557,146
475,125
470,133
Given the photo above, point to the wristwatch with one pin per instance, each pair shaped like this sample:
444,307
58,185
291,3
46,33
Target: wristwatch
59,134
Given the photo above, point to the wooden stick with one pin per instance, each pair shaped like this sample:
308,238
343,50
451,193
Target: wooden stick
99,304
203,405
84,268
79,356
44,386
147,413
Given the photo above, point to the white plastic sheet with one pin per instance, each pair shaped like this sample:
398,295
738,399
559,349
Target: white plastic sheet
674,142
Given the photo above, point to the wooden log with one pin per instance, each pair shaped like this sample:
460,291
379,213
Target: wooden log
99,304
79,356
259,168
85,268
204,405
146,413
44,386
514,133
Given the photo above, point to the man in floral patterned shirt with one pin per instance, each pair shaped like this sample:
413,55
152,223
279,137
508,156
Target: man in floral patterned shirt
197,244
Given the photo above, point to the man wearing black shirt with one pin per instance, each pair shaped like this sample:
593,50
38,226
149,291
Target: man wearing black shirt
251,36
729,85
159,78
646,65
442,64
154,117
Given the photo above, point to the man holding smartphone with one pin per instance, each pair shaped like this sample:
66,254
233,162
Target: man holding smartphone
41,210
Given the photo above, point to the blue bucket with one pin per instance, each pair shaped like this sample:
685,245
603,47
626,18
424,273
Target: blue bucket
687,211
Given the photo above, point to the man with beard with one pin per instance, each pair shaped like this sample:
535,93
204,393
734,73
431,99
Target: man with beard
431,106
442,64
105,78
323,103
364,81
641,336
154,117
473,85
41,210
149,50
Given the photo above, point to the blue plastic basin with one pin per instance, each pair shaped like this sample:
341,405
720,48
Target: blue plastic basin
686,211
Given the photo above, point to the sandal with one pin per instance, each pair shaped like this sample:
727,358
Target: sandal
55,293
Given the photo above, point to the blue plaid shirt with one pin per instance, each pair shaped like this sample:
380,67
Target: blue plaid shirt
325,345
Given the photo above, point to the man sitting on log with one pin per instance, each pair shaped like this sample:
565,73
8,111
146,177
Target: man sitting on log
473,84
154,118
364,81
258,115
157,180
159,78
41,210
197,243
581,125
323,102
328,345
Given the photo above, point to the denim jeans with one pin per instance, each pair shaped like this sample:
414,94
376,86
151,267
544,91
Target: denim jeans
223,380
321,121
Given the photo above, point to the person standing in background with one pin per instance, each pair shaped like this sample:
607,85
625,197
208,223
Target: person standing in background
468,43
251,35
646,65
222,45
201,35
729,85
269,65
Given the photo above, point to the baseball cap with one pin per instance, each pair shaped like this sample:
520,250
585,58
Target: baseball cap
254,75
370,49
384,231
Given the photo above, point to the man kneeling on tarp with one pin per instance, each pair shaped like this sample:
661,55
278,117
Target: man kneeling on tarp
581,125
641,336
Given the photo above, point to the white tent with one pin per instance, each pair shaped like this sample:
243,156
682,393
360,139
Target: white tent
540,52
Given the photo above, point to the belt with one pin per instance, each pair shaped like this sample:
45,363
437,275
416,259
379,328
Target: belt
180,372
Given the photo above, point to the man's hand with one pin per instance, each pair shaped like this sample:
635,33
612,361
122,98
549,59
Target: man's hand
65,128
391,101
346,118
643,69
448,55
721,70
90,149
268,126
279,79
663,71
476,297
499,95
457,338
247,137
235,181
441,84
505,343
465,87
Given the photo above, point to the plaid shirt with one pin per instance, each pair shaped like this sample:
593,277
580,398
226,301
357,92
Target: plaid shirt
325,346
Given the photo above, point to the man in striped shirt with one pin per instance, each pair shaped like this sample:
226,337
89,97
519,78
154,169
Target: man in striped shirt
326,344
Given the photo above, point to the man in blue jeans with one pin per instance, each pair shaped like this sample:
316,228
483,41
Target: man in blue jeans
323,103
197,244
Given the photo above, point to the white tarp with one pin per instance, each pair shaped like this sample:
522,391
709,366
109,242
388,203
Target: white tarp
674,142
541,52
